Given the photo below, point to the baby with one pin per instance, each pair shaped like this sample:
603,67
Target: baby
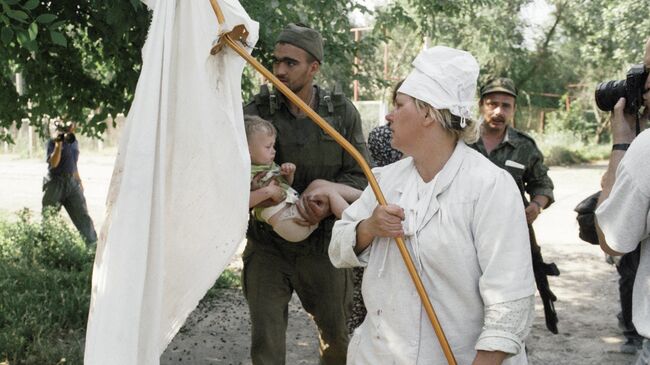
275,185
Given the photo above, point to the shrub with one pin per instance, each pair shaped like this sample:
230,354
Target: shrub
561,148
45,272
45,280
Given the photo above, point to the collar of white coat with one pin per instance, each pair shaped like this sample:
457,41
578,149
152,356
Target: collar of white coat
393,179
445,176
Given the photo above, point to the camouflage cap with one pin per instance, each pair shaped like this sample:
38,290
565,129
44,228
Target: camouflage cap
303,37
499,85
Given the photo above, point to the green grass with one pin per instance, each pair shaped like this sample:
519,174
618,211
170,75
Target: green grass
45,278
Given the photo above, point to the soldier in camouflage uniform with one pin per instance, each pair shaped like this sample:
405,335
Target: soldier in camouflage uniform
517,153
273,267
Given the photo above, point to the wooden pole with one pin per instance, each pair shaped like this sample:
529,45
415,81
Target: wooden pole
217,11
347,146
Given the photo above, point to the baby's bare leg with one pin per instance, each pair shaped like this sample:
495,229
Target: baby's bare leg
337,204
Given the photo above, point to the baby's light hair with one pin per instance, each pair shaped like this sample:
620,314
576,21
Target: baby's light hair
254,124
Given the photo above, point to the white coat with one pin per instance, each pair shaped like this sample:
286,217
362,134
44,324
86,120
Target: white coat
471,249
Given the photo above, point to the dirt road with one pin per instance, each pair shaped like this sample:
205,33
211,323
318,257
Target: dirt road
218,331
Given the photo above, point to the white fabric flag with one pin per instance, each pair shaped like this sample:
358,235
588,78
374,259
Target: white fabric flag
178,201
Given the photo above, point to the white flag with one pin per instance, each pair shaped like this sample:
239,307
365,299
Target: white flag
178,201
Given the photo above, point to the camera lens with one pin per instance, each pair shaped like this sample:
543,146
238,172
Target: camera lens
608,93
70,138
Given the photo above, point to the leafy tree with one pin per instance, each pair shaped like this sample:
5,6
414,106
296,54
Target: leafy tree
76,59
598,41
465,24
81,59
330,18
20,24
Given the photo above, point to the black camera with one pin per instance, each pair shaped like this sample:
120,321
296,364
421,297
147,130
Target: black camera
64,131
62,127
632,89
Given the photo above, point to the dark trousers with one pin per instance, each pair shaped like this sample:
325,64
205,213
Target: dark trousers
627,268
64,190
269,280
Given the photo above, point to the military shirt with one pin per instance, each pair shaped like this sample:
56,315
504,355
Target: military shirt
518,154
315,153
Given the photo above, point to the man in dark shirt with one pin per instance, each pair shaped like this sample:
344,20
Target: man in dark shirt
517,153
273,267
62,185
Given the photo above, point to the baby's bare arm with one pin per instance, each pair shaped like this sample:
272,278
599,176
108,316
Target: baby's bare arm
288,170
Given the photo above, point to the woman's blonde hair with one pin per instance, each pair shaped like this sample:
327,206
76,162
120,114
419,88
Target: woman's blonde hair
450,122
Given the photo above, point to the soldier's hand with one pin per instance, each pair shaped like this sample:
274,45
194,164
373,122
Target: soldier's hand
313,208
256,182
532,211
277,194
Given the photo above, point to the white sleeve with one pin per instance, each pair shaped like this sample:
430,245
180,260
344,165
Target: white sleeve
623,216
344,233
502,242
507,325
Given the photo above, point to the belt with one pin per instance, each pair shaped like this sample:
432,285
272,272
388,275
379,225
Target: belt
61,174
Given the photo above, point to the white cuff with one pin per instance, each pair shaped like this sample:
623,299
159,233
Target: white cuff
506,325
493,340
341,249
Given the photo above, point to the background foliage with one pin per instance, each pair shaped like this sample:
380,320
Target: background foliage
81,61
76,58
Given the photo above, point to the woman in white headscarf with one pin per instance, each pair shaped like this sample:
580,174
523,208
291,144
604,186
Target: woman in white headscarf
463,222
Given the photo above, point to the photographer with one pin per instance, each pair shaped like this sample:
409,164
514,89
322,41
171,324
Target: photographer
62,185
624,205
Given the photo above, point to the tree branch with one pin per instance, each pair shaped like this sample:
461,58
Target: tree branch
543,50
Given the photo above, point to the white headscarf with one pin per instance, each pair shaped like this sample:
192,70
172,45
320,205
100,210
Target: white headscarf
444,78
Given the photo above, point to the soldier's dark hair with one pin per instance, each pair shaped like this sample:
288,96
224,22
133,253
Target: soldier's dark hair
254,124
